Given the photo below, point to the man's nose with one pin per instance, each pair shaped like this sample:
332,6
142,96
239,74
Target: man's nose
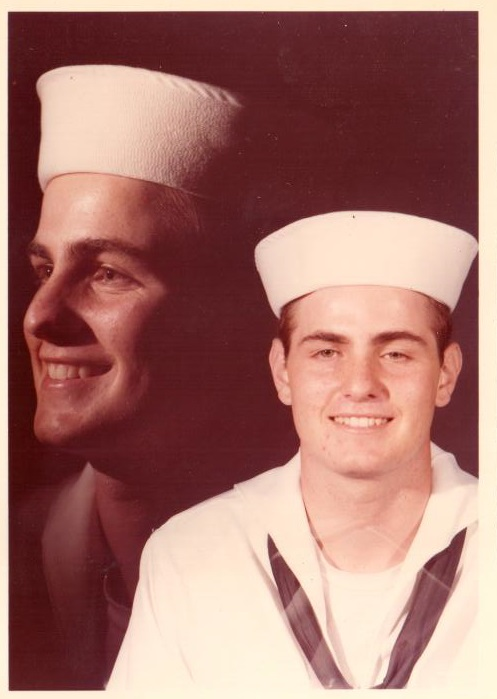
362,379
54,315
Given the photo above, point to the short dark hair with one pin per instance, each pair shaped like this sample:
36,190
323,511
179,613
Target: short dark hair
441,324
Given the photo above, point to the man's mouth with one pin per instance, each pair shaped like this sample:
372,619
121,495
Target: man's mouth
360,421
63,372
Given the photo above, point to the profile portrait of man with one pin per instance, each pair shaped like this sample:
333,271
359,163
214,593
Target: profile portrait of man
128,330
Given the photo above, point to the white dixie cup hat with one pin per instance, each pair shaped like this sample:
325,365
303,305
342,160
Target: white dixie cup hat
136,123
349,248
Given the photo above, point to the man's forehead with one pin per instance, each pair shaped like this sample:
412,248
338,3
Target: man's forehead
83,207
370,305
91,186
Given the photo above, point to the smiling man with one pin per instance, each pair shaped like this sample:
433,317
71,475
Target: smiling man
354,564
97,326
128,333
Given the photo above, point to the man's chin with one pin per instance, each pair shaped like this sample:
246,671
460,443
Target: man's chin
62,442
105,440
76,438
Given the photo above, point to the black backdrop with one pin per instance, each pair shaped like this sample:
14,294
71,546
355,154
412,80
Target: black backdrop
395,97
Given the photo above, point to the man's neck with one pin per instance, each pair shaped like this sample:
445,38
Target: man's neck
127,517
366,525
138,491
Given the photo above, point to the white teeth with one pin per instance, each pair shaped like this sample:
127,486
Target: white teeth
62,372
361,421
84,372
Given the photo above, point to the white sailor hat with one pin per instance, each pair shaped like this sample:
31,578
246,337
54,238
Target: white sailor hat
134,122
348,248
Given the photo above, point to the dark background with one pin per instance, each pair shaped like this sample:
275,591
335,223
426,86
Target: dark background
388,106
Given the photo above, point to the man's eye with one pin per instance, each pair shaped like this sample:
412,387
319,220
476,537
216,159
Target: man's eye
327,353
397,356
42,272
112,277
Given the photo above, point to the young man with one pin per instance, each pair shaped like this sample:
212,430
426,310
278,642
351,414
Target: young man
354,564
125,333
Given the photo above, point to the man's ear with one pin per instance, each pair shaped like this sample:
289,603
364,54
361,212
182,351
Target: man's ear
277,362
449,371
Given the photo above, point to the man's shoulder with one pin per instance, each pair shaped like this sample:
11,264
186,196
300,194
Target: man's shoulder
226,514
448,473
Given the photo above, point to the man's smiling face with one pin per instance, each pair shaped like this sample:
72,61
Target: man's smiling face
96,326
363,377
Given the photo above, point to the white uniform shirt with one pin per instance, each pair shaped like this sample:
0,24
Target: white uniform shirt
207,611
358,606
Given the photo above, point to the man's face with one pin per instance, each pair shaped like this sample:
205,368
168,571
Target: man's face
363,377
96,328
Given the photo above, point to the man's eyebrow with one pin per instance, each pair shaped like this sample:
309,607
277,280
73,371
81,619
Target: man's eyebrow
393,335
323,336
35,249
92,246
380,339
